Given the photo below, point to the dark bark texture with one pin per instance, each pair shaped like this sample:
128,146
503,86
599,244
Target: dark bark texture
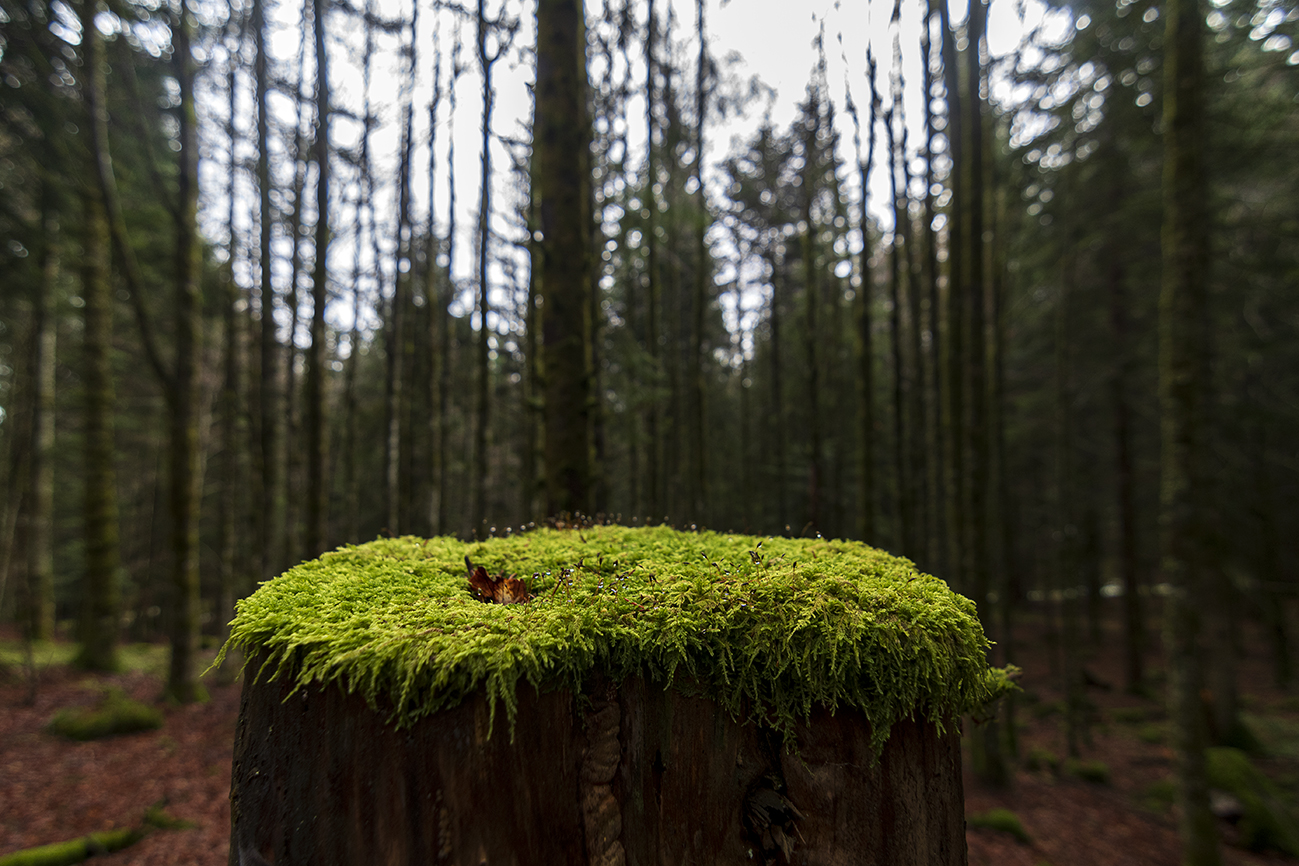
628,774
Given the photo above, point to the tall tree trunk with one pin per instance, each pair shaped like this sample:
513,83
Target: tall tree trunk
40,512
561,139
811,307
396,331
1183,381
653,485
865,285
182,672
483,404
100,596
432,299
270,406
231,548
992,768
934,439
443,310
777,416
1134,626
953,354
317,480
698,486
904,517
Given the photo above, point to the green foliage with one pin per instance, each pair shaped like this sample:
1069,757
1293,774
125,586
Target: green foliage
114,714
1159,796
1131,715
1000,819
1152,734
1274,735
1267,822
1042,759
1096,772
767,627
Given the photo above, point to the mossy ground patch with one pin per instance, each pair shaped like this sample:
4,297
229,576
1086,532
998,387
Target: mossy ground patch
767,627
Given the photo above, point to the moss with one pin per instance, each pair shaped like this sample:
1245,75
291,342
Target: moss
1096,772
1042,759
74,851
1266,822
1130,715
1152,734
1000,819
1159,796
115,714
106,842
767,627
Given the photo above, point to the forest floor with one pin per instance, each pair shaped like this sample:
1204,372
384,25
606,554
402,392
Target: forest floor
52,790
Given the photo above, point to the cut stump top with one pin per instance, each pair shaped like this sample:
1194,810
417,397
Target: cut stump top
768,627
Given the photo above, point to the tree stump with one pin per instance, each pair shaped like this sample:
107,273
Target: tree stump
681,704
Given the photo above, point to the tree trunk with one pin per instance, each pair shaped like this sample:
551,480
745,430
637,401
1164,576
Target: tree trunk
317,480
481,415
182,673
40,465
100,597
626,774
270,406
953,356
1134,625
1183,380
561,139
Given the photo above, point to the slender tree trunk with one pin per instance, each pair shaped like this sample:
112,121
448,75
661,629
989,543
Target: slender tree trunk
100,596
936,445
483,404
443,311
1134,626
865,285
1183,375
231,548
270,408
703,276
182,673
1065,492
991,768
811,307
652,288
317,482
40,512
953,350
432,299
777,417
902,530
561,139
396,330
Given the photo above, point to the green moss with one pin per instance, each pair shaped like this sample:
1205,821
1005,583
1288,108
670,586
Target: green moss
114,714
1159,796
1130,715
1267,822
1000,819
1042,759
1096,772
1152,734
74,851
767,627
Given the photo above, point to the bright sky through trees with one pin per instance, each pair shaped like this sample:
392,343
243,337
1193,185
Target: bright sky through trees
769,40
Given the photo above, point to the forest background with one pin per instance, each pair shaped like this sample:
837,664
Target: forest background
1056,359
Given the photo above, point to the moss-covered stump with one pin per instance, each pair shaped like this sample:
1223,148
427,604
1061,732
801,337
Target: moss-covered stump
653,697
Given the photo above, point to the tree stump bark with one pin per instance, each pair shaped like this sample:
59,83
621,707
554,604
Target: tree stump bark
628,774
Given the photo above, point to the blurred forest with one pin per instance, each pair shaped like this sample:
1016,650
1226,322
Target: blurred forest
1063,366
